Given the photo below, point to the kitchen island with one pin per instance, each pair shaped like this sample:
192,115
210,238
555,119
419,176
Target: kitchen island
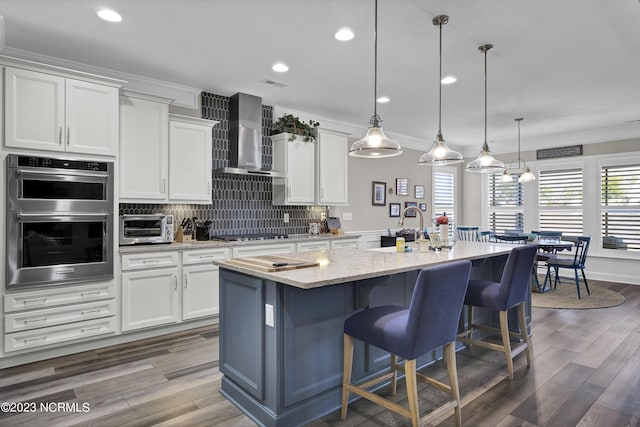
281,331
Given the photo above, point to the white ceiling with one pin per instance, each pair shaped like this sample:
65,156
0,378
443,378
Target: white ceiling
571,68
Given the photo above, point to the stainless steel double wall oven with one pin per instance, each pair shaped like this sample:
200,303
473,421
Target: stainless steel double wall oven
59,221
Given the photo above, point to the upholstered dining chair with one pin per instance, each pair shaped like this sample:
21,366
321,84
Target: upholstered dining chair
467,234
510,292
430,321
577,262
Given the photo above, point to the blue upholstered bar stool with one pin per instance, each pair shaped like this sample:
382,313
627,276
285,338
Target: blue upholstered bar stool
510,292
431,321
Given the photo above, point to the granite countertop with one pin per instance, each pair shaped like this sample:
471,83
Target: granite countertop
206,244
347,265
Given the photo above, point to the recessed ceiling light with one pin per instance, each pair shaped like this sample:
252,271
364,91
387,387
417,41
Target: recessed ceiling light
280,67
448,80
344,34
109,15
383,99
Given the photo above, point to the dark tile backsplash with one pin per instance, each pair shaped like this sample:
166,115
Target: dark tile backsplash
241,204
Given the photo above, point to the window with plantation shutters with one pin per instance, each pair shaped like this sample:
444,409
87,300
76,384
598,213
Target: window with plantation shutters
444,195
560,201
621,207
506,204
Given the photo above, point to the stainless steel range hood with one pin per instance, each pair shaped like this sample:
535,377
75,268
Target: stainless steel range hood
245,137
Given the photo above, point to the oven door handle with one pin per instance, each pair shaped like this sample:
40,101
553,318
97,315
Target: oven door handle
57,215
58,173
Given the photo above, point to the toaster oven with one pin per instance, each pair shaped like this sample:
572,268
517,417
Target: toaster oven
146,229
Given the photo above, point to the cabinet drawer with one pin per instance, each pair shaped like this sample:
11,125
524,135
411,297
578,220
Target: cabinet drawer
58,296
35,319
202,256
149,260
347,243
268,249
313,246
58,334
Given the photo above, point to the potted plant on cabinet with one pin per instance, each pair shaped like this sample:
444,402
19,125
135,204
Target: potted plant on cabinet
292,125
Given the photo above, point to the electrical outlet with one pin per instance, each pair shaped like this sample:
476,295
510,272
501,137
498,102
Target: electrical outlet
347,216
286,218
268,315
323,216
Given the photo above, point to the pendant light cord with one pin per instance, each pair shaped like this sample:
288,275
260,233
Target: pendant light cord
375,67
440,89
486,146
518,120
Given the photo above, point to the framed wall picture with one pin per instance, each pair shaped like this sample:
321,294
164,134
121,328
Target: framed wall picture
411,213
402,186
394,209
379,193
423,207
419,190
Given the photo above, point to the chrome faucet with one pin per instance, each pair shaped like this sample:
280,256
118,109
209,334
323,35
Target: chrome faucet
402,216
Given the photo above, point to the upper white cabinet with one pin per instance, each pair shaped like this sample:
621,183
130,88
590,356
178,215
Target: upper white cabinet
297,160
144,147
190,161
164,158
50,112
316,172
331,172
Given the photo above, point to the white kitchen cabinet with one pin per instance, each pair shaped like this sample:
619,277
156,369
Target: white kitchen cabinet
297,160
150,298
264,249
345,243
332,168
313,245
190,159
49,112
144,147
200,282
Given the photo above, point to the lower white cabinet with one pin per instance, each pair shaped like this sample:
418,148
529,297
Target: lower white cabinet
266,249
160,288
313,245
58,315
346,243
150,298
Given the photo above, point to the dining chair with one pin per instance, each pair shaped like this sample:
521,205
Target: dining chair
544,254
577,262
467,234
510,292
430,321
485,236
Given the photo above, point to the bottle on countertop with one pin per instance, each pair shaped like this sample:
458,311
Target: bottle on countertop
400,244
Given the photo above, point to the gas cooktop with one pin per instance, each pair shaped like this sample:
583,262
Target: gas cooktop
247,237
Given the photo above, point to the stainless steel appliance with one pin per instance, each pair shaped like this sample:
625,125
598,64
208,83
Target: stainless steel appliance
59,221
248,237
145,229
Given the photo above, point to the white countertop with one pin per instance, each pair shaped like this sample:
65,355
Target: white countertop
347,265
204,244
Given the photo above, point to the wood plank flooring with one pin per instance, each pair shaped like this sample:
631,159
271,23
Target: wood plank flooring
586,372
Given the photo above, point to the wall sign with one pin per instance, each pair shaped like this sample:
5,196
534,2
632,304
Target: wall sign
552,153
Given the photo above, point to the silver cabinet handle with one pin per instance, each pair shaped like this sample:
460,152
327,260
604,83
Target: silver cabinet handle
175,284
68,133
26,322
34,301
86,294
28,340
185,281
97,328
60,136
90,312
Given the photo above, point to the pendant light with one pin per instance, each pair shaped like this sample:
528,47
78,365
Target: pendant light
526,175
375,143
485,163
440,153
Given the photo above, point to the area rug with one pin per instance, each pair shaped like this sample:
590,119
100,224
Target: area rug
565,296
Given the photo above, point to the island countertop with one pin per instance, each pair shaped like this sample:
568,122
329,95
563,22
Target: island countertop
348,265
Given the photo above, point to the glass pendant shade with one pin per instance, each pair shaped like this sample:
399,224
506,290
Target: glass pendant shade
375,143
506,177
440,154
485,163
527,176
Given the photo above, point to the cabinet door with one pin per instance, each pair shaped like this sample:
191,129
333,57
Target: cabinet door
300,176
91,117
34,110
189,162
347,243
144,142
332,173
150,298
199,291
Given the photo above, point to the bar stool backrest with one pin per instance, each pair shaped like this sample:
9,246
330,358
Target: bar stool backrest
516,273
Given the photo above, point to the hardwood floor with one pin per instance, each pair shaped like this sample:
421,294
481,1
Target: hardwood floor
586,372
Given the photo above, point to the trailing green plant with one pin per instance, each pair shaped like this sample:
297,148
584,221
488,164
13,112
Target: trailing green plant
292,125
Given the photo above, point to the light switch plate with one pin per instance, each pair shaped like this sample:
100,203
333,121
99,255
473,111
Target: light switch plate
268,315
347,216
